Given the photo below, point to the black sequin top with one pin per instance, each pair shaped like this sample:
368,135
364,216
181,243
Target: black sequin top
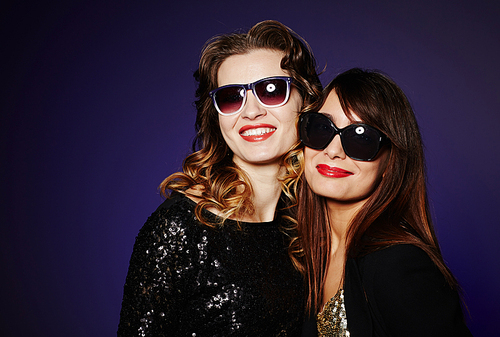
187,279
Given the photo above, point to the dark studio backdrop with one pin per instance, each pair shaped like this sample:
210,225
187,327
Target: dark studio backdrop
96,110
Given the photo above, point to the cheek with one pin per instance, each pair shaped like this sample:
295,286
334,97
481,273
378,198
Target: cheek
287,120
308,163
289,114
291,128
383,161
226,124
292,108
295,102
374,176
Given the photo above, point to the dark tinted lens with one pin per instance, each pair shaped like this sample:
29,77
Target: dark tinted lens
272,91
229,99
316,131
360,141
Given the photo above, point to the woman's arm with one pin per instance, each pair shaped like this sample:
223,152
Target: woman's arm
409,296
154,286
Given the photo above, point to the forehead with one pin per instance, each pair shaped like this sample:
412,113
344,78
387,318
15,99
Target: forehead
333,109
250,67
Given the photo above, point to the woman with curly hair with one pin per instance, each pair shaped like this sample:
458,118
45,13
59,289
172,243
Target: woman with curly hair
213,259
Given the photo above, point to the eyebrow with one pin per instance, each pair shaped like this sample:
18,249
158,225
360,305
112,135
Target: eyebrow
330,117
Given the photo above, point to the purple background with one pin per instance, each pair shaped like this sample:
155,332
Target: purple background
96,109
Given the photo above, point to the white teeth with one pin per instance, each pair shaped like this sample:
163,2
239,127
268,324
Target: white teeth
257,132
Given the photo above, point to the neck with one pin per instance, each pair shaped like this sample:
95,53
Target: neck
266,190
340,216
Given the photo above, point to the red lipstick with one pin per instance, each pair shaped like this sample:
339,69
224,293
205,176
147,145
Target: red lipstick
332,172
257,132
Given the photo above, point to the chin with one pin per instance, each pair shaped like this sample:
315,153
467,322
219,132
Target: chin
257,159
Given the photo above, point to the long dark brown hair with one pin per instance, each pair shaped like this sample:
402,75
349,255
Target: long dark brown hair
398,210
223,184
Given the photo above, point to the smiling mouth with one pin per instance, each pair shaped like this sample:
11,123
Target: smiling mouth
257,131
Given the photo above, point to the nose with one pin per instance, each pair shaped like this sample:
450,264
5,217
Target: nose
335,149
252,109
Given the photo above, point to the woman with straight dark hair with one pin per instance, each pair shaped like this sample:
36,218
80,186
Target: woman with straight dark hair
369,251
212,260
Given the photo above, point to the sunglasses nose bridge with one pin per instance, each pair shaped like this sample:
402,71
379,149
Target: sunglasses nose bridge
251,87
336,131
335,134
335,147
341,138
252,106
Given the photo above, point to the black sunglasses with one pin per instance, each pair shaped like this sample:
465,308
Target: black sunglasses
359,141
271,92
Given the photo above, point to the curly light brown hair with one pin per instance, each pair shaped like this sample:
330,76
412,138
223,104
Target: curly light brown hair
210,168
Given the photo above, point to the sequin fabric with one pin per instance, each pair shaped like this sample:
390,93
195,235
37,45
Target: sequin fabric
332,321
186,279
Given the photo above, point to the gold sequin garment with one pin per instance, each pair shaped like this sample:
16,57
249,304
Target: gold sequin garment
187,279
332,320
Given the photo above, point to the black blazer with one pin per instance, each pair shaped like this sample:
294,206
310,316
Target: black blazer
399,291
